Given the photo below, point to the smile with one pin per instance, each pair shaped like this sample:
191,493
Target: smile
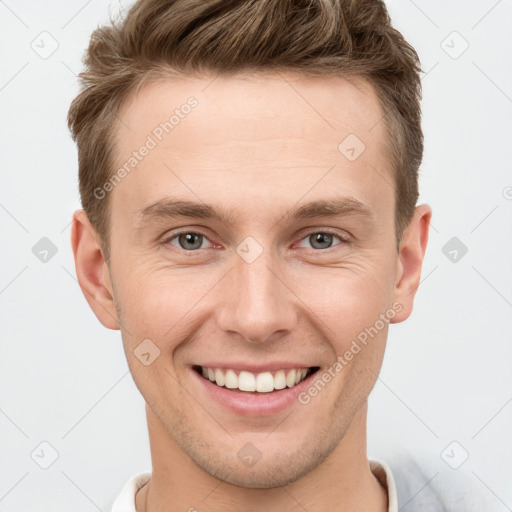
264,382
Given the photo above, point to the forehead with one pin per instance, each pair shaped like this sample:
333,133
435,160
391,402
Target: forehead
261,104
221,135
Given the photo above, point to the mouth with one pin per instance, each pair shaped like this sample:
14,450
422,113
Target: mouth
266,382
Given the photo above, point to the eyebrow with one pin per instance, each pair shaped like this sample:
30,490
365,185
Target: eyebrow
170,208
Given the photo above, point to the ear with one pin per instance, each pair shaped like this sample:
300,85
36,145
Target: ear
410,260
92,270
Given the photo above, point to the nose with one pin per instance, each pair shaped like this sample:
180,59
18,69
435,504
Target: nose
257,302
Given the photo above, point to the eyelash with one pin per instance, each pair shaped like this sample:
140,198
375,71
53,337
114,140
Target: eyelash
193,252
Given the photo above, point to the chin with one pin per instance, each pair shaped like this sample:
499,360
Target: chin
265,477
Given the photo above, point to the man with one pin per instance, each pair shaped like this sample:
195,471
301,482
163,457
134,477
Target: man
248,172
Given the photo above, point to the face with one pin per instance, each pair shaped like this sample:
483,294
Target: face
287,257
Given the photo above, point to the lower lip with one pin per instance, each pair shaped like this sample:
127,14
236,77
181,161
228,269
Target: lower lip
253,404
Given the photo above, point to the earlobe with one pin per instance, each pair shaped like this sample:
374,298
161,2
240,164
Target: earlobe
92,271
410,260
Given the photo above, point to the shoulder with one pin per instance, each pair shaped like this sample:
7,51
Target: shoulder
425,485
125,501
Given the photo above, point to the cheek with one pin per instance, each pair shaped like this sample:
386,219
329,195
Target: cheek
158,303
346,299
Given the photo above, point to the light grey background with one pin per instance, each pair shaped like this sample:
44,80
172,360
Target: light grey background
447,371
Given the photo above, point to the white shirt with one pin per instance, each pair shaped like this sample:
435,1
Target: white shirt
125,502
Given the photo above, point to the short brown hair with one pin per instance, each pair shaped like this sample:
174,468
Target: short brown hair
312,37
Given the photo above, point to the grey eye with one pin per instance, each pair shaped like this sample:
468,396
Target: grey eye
321,240
190,241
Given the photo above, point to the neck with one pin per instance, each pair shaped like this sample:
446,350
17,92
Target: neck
342,482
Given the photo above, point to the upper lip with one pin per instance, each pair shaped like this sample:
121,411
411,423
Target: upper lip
255,368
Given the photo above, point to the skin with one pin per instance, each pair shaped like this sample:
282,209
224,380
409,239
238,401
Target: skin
260,146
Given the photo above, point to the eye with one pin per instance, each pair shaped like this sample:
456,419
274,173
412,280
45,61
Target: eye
192,241
187,240
322,240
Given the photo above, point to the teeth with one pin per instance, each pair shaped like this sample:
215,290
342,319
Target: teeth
280,380
246,381
231,379
264,382
219,377
290,378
